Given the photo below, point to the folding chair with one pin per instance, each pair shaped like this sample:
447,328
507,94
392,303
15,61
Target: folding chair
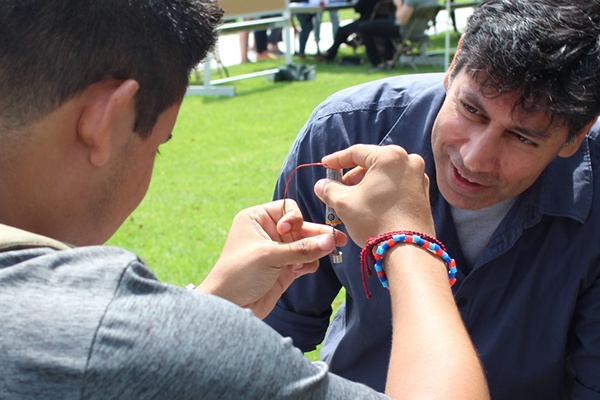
411,49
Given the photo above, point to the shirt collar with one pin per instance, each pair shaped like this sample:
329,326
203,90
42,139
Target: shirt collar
566,186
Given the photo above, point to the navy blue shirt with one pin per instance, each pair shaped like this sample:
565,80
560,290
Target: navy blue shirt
531,301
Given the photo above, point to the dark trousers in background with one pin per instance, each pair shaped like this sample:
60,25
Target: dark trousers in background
306,26
379,29
262,39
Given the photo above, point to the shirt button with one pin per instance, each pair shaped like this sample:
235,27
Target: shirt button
461,302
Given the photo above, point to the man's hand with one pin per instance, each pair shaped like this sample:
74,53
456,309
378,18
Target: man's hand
266,249
386,190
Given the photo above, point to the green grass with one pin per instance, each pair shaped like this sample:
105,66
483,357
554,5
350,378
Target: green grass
225,155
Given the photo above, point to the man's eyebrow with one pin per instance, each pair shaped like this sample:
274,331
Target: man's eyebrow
473,98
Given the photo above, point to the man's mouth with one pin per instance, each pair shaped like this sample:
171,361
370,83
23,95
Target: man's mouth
465,178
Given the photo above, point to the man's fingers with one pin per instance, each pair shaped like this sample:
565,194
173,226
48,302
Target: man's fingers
362,155
312,229
303,251
354,176
357,155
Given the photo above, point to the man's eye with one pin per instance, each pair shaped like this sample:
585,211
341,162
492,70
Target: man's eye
469,108
525,140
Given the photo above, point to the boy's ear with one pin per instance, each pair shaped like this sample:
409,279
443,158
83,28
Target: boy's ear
107,106
571,148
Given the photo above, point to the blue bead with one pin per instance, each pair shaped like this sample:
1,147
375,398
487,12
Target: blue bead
378,266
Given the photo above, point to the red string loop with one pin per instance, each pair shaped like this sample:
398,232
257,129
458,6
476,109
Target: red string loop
367,258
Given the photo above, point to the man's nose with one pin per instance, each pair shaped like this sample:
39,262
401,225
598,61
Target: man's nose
480,153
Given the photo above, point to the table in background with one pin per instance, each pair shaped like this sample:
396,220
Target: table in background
311,7
242,10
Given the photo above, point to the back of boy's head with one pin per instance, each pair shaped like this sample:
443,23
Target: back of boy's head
50,50
548,50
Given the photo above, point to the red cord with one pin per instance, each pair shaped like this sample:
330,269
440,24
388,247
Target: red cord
367,258
287,184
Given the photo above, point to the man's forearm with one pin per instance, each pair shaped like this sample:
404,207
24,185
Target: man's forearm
425,325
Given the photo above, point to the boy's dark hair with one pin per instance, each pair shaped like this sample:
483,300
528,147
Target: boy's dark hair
51,50
549,50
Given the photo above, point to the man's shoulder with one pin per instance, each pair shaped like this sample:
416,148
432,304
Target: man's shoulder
370,112
83,260
384,93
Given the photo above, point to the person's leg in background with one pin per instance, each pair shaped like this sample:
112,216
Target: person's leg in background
306,26
335,22
260,41
389,50
379,28
274,38
244,46
316,21
343,33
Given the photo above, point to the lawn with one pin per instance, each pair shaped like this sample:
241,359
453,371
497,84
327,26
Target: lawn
225,155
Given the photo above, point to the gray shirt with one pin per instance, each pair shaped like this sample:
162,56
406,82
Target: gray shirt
94,322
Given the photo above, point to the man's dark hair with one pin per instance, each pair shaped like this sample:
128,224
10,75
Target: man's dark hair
51,50
549,50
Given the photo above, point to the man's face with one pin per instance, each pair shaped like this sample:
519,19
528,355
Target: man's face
127,183
484,151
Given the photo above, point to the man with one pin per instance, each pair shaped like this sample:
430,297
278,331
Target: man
391,28
90,90
365,10
511,148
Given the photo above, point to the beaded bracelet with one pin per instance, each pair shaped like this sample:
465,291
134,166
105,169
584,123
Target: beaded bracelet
389,240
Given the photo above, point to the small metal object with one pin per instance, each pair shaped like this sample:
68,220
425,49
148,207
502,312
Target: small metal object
336,256
331,217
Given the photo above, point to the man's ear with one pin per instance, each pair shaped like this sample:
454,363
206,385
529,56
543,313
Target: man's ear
569,149
451,67
107,105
